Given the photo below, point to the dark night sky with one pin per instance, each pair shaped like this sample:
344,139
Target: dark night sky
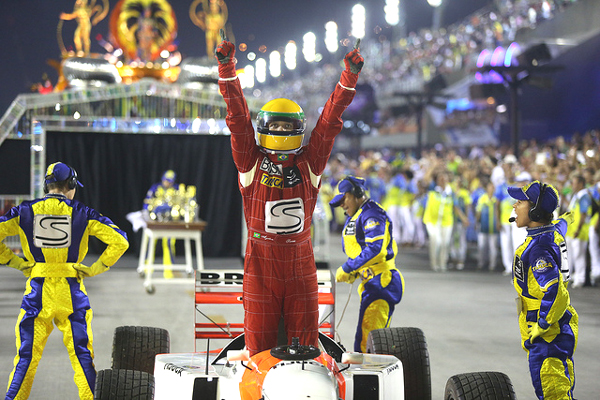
28,29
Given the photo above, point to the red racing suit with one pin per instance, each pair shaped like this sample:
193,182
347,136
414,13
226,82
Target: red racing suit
279,194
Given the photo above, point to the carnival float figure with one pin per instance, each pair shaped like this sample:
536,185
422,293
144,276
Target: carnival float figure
143,28
87,15
211,20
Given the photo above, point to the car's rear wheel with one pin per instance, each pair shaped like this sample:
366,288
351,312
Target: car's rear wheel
480,386
410,347
135,347
121,384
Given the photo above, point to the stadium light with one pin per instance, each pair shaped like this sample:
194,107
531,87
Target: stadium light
358,21
438,9
249,76
331,36
309,46
275,64
261,70
392,12
289,56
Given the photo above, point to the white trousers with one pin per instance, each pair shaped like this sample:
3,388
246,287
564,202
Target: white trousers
487,244
459,243
420,236
408,225
595,254
393,212
507,249
577,249
439,245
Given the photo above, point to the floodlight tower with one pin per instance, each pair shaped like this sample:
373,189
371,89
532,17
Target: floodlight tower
358,21
395,17
309,47
438,9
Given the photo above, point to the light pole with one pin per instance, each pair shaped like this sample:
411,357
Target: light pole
438,9
514,76
358,21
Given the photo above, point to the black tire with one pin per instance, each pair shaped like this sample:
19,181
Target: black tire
122,384
135,347
410,347
479,386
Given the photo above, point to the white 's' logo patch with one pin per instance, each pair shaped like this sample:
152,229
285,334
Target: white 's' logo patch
52,231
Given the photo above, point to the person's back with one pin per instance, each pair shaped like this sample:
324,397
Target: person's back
54,233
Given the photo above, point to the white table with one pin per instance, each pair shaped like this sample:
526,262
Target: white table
187,231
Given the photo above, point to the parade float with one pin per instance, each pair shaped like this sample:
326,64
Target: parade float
137,86
140,84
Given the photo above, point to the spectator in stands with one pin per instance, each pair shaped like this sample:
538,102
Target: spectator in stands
458,249
594,235
487,212
506,203
418,209
577,237
438,218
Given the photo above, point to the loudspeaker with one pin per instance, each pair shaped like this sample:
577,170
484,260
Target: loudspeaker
534,55
483,91
436,84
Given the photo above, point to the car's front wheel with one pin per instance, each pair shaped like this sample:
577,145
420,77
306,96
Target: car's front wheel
410,347
122,384
135,347
480,386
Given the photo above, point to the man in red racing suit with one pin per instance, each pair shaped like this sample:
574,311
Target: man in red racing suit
279,187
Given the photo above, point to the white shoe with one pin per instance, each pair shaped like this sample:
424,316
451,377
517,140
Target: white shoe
576,285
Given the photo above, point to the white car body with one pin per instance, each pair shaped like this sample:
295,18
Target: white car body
193,376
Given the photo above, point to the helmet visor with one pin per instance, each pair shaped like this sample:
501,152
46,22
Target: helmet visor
265,119
285,142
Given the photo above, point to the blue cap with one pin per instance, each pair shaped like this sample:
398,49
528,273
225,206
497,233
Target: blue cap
169,176
346,185
59,172
531,192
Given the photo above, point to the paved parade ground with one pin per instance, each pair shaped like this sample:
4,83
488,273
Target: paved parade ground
468,317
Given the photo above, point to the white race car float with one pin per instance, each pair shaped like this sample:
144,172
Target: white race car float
395,367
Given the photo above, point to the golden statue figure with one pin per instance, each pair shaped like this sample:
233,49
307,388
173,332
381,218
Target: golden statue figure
84,14
211,20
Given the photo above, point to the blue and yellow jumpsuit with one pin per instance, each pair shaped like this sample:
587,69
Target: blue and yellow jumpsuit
368,243
168,244
54,232
540,276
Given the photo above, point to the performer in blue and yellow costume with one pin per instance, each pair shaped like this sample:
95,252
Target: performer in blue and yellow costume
158,189
54,232
371,250
548,322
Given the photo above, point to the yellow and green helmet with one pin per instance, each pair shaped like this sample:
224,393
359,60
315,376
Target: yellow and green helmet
280,141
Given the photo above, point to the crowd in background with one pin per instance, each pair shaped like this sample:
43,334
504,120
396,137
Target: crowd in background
420,56
477,179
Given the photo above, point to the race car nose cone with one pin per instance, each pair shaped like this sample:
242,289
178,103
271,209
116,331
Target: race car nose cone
303,379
